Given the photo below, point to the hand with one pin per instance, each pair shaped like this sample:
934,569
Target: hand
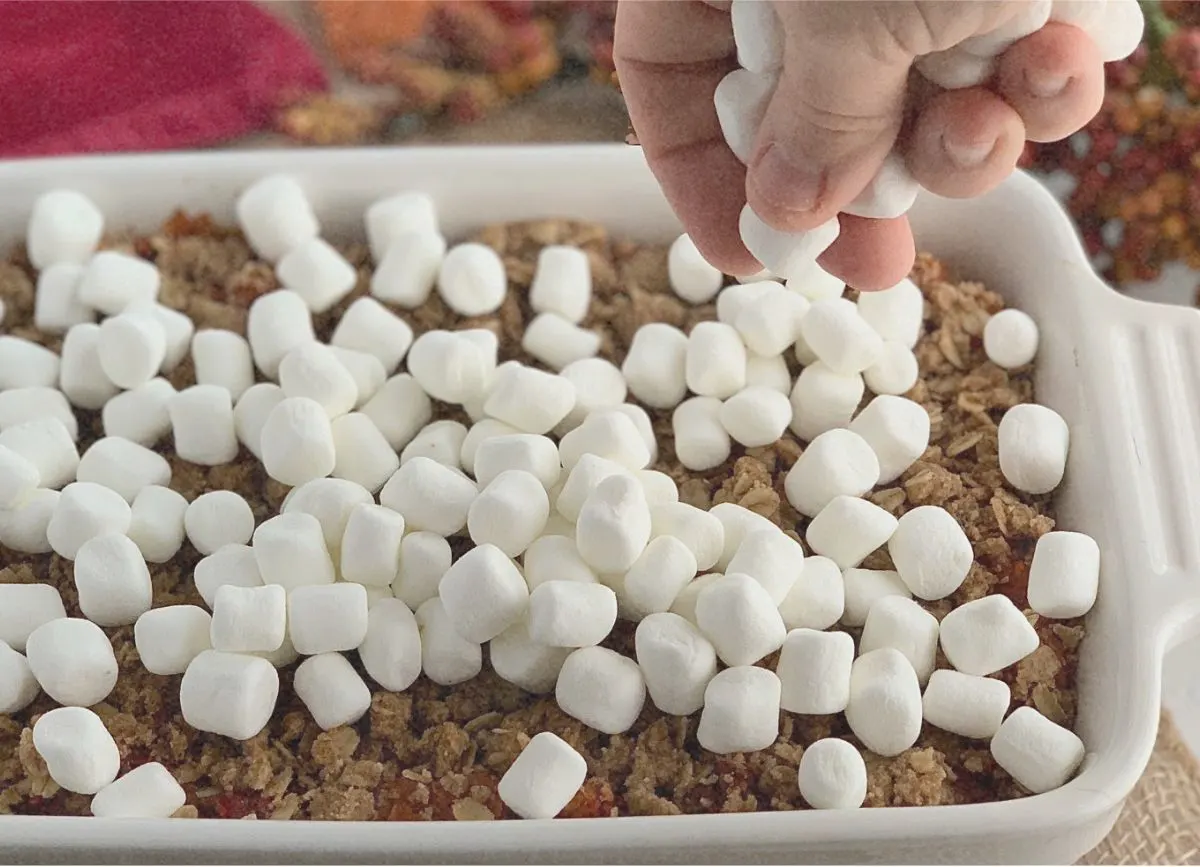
846,94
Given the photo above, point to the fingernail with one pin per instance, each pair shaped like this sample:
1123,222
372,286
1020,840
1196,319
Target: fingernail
1046,85
783,182
968,156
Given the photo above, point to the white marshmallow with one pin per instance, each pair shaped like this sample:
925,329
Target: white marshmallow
399,409
510,512
609,434
931,552
890,194
715,364
685,602
1029,18
741,711
72,660
275,216
1119,32
24,529
823,400
660,489
562,283
391,650
123,466
25,607
472,280
290,550
220,358
758,34
770,323
655,367
312,370
235,565
281,658
543,779
331,690
440,441
677,662
571,613
228,694
366,371
361,452
85,510
483,593
785,253
177,328
131,348
756,416
848,529
955,69
814,670
986,635
736,521
897,314
147,792
770,557
249,619
450,366
140,415
904,625
1039,754
19,478
424,559
840,337
832,775
1010,339
896,371
82,378
701,440
202,425
555,558
168,639
739,617
966,704
408,270
47,444
112,580
557,342
25,364
394,217
1033,445
884,710
614,524
367,326
56,305
741,101
602,689
658,575
479,433
1064,576
817,599
530,453
330,501
156,522
18,686
64,226
691,277
112,281
370,548
430,496
815,283
897,429
526,663
80,755
529,399
737,296
276,324
297,441
316,272
862,588
837,462
327,618
599,385
582,480
769,372
446,657
19,405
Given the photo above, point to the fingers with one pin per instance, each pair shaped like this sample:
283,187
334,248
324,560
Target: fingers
1054,79
871,254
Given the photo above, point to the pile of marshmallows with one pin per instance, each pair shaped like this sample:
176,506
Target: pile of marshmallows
571,530
742,97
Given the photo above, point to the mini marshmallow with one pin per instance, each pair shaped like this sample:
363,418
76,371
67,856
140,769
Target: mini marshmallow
202,424
19,478
838,462
741,711
1029,18
862,588
430,496
890,194
815,283
832,775
599,385
149,791
955,68
281,658
1010,339
370,548
543,779
276,324
739,617
222,358
823,400
131,348
391,650
361,452
770,557
368,326
769,372
556,342
80,755
758,35
424,559
112,281
884,710
785,253
691,277
526,663
472,280
483,593
571,613
897,429
112,580
658,575
25,364
756,416
156,522
235,565
1064,575
736,522
848,529
311,370
249,619
986,635
297,442
479,433
72,660
331,690
450,366
56,305
399,409
741,100
530,453
141,415
583,479
817,599
228,694
840,337
715,365
168,639
814,671
440,441
1033,444
904,625
47,444
82,378
394,217
555,558
510,512
614,524
931,552
562,283
529,399
275,216
24,529
290,550
18,686
366,371
177,328
701,440
446,657
1119,31
64,226
316,272
1039,754
19,405
655,367
896,314
123,466
677,662
602,689
326,618
84,511
737,296
966,704
408,270
25,607
608,434
660,489
330,501
685,602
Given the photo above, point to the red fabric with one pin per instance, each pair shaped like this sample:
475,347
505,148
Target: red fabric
119,75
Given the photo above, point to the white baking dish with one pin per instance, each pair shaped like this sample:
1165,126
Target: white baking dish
1125,374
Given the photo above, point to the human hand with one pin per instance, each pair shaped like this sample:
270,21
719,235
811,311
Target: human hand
846,95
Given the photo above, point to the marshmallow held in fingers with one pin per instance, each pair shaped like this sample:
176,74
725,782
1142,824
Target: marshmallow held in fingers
290,550
785,253
864,587
367,326
543,779
361,452
441,441
1064,576
529,399
986,635
571,613
275,216
131,349
1039,754
276,324
169,638
523,662
327,618
655,367
840,336
72,660
141,415
249,619
756,416
657,576
472,280
80,755
741,101
1033,442
817,599
46,443
446,657
483,593
955,68
332,690
297,442
228,694
64,226
311,370
701,440
676,660
741,711
1010,339
18,686
823,400
391,650
884,710
510,512
772,558
85,510
715,361
430,496
56,305
24,529
897,430
316,272
202,424
832,775
156,522
890,194
848,529
602,689
147,792
112,580
233,564
691,277
25,607
739,617
112,281
614,525
838,462
904,625
966,704
931,552
758,35
82,377
814,670
562,283
556,342
406,274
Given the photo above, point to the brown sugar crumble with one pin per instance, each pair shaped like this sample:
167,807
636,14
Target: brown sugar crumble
437,752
